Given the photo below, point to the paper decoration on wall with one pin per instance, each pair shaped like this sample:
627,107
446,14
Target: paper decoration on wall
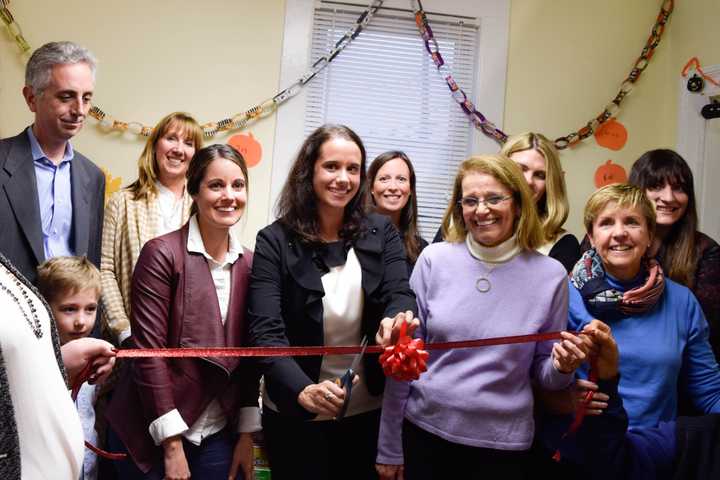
112,184
248,146
241,120
611,134
696,82
609,173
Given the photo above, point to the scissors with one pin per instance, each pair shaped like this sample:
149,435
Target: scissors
346,381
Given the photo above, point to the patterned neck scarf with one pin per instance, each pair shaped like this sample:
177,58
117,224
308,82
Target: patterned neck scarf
606,302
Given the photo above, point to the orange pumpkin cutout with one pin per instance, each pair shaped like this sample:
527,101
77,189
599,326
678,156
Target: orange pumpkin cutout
609,173
611,134
250,148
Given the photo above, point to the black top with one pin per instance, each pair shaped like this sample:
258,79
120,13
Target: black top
410,264
285,303
566,251
334,254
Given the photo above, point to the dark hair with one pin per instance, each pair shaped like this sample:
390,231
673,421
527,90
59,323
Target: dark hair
653,170
408,214
202,160
297,206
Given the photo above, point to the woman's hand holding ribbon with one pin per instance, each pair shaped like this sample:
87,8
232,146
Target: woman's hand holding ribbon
389,329
571,352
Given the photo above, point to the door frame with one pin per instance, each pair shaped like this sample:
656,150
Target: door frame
691,134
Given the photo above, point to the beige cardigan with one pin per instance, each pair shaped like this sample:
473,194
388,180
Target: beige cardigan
128,225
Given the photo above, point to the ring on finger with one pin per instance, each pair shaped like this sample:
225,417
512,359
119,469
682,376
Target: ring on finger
328,395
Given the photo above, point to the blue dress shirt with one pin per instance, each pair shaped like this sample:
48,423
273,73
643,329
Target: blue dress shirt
54,198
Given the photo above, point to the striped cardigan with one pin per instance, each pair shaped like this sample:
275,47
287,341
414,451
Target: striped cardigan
129,224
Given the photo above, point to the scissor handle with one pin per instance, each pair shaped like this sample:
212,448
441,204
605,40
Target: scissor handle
346,382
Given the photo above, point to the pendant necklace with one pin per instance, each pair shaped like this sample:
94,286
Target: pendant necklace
482,284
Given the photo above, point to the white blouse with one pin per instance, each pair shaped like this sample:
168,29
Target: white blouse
342,322
170,208
49,429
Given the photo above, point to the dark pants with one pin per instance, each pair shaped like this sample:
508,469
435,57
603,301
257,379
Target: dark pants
210,460
322,450
428,456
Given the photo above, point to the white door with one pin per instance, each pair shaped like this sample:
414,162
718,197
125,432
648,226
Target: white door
699,144
709,213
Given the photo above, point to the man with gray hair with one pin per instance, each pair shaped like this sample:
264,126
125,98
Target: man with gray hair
51,197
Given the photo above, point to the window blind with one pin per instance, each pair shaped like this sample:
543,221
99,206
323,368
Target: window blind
385,86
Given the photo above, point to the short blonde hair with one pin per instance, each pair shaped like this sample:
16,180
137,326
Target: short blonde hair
624,195
553,208
505,171
62,276
147,163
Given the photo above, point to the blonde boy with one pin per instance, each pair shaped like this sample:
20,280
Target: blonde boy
71,285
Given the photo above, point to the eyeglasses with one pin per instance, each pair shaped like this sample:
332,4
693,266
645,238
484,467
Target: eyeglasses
472,203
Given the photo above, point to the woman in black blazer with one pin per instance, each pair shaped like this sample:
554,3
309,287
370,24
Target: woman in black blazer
325,273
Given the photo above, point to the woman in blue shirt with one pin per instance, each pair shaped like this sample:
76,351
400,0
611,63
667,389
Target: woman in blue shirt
658,324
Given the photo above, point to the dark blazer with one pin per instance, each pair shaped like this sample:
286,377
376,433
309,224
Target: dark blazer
20,229
285,303
174,304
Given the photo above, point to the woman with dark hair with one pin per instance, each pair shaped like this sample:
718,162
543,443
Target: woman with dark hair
181,417
391,180
325,273
688,256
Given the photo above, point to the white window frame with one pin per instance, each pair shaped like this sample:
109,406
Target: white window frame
493,19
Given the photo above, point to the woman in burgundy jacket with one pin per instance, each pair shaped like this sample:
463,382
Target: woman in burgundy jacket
180,417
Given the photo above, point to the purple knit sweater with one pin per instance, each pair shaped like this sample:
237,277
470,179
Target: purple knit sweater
478,396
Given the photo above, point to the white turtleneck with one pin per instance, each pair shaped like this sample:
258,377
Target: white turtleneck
501,253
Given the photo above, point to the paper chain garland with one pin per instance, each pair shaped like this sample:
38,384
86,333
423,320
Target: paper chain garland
479,121
13,27
490,130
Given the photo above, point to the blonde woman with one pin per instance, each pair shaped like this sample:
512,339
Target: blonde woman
658,323
538,159
471,414
155,204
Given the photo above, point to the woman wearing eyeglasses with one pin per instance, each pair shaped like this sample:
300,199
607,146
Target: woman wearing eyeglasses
391,178
471,414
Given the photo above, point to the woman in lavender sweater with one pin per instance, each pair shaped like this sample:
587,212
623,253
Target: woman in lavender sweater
471,414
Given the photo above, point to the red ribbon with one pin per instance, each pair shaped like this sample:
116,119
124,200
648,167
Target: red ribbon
82,378
400,359
319,350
